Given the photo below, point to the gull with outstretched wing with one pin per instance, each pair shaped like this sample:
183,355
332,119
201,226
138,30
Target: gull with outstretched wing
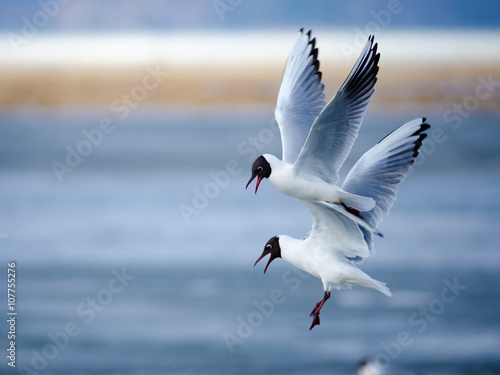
317,137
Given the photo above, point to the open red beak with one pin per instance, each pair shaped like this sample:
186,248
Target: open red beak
259,179
260,258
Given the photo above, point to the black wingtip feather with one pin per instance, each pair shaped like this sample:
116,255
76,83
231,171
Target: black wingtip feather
418,142
423,127
312,42
364,77
316,66
314,54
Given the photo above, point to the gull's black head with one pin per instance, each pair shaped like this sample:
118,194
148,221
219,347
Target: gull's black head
260,169
273,248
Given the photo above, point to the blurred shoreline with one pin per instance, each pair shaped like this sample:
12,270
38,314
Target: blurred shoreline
430,85
244,68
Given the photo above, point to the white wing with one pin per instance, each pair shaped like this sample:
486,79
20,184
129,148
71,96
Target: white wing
378,173
301,97
336,127
336,232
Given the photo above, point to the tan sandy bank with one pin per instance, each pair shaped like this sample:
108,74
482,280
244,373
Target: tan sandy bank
409,85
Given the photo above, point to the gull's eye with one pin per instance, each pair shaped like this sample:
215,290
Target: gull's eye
268,246
259,168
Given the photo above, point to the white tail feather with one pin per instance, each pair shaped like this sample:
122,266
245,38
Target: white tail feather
365,280
381,287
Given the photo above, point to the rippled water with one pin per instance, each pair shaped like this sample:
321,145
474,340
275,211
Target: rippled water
140,260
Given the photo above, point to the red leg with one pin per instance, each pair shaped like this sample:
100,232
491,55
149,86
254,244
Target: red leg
317,309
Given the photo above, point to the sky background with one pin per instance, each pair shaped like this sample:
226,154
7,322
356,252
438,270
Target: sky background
158,15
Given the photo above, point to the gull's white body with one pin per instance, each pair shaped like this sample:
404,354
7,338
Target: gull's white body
327,256
285,179
336,244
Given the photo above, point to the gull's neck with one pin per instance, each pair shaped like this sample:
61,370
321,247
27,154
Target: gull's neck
282,176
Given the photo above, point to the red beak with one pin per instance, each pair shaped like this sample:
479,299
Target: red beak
260,258
249,181
259,179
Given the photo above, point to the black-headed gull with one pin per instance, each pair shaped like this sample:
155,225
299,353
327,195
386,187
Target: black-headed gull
317,137
336,245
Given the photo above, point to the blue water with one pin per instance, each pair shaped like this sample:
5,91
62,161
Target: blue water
140,260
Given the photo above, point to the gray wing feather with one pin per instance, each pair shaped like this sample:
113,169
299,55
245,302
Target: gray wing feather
336,128
378,173
301,97
340,234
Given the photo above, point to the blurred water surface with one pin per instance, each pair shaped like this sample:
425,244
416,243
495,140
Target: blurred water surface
146,250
